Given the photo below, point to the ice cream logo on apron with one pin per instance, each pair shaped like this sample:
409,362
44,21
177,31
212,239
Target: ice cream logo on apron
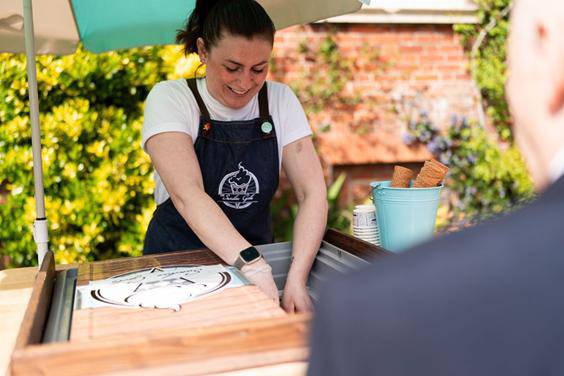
237,189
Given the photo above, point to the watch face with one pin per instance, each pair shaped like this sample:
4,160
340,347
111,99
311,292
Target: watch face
250,254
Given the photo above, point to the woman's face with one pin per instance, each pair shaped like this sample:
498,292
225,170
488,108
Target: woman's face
236,68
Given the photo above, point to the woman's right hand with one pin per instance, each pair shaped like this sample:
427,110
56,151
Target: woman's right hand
260,274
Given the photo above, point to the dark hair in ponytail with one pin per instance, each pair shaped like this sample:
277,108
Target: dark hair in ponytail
211,18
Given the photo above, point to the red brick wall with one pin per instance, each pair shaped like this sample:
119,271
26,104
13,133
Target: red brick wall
397,70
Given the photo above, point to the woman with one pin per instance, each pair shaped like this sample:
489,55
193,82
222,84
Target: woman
218,144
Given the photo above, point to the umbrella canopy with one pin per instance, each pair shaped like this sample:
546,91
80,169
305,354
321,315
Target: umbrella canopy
104,25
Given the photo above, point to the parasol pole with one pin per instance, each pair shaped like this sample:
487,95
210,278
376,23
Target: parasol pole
40,225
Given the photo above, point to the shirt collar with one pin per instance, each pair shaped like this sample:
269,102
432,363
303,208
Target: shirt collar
556,167
215,107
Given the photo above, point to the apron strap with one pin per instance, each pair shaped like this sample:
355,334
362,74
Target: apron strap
263,103
194,88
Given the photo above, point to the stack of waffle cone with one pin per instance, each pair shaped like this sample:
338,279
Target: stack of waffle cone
401,177
431,175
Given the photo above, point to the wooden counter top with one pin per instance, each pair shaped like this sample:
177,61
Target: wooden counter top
15,291
232,330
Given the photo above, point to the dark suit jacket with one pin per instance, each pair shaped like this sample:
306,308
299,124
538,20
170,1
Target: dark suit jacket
485,301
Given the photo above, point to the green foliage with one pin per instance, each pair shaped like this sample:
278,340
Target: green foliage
284,211
323,76
484,179
490,59
337,218
97,178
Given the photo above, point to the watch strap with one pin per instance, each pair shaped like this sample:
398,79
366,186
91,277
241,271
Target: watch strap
239,263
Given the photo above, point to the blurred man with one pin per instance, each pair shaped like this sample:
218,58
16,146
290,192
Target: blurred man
486,301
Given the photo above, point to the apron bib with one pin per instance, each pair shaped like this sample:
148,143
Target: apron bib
239,164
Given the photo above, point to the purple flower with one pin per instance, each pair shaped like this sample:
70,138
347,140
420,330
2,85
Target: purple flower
408,139
453,120
470,191
464,122
433,147
425,136
445,157
441,143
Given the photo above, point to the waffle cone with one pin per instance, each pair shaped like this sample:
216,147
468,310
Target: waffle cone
431,174
401,177
426,182
432,171
439,165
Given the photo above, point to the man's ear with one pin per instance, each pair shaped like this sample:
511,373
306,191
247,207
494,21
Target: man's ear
556,103
549,45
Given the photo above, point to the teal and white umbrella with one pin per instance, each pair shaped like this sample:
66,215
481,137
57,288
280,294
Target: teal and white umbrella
57,26
104,25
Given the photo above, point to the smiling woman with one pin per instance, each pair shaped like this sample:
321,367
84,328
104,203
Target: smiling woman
218,144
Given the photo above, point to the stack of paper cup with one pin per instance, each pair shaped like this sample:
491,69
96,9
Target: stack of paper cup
365,226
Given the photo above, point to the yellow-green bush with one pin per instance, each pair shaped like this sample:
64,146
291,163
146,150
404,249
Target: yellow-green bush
98,189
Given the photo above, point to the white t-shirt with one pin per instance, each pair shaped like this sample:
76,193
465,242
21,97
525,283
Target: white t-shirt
171,107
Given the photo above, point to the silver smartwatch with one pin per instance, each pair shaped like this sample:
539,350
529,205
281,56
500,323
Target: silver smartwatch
246,257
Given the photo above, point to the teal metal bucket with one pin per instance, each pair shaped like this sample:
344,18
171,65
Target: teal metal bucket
406,216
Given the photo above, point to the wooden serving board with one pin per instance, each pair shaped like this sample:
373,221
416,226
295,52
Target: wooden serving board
246,303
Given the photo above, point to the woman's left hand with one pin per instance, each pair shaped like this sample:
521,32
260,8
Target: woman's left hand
304,171
296,297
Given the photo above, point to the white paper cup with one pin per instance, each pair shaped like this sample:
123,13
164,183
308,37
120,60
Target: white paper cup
364,219
368,239
372,235
366,226
365,208
373,241
367,234
366,230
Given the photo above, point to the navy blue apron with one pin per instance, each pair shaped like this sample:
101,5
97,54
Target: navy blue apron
239,164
